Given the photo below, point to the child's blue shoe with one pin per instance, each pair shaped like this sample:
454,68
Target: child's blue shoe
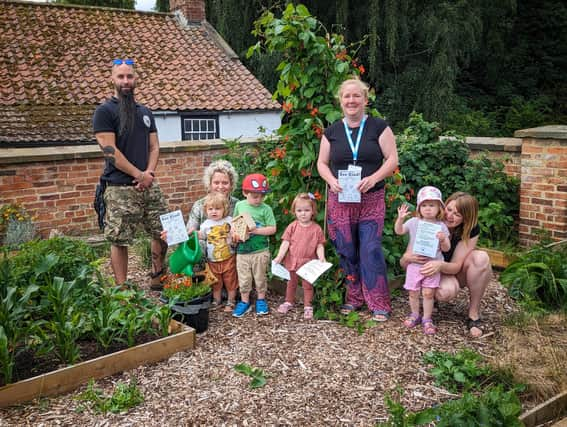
261,307
241,309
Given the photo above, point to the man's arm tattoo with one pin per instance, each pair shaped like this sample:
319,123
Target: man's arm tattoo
109,154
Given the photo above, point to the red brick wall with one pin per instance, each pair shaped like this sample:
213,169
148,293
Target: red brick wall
59,193
507,150
543,190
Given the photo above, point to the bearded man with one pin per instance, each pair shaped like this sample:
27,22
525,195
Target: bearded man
127,134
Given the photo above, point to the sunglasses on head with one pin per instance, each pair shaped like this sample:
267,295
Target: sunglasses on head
123,61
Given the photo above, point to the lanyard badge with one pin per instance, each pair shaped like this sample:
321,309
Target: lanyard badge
354,146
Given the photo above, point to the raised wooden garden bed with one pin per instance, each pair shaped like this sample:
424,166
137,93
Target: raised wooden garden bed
551,409
67,379
498,259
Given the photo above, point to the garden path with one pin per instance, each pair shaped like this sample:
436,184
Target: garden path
318,373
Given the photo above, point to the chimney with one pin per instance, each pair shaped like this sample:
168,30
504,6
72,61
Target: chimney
192,10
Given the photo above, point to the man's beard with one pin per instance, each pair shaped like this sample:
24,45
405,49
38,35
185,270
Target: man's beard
126,111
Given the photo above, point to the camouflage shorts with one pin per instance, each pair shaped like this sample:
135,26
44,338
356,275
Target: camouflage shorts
128,210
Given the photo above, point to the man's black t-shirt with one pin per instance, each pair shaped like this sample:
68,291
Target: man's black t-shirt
134,146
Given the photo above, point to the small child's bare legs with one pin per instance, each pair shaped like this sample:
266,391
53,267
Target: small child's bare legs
428,298
414,302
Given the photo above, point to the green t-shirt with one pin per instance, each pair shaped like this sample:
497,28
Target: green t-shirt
263,217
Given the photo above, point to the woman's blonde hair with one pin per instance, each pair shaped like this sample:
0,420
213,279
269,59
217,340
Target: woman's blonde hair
216,200
467,206
364,88
222,166
307,198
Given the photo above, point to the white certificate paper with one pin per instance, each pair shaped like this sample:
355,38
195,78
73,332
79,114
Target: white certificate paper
173,223
426,241
311,270
348,180
280,271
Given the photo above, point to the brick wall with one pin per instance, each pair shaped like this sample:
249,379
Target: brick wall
507,150
56,185
543,188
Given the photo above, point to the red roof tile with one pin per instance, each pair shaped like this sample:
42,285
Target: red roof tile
55,63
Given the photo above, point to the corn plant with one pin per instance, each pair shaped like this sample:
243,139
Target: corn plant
67,322
15,321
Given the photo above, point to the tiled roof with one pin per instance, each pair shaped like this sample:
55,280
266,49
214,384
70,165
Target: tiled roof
55,67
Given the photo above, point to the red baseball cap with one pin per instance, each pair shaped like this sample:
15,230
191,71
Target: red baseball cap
255,183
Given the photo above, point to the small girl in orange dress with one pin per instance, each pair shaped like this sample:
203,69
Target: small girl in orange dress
302,241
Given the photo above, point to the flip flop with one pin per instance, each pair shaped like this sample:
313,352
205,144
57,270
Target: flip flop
475,324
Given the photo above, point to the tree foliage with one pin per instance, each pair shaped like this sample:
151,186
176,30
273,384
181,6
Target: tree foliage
481,66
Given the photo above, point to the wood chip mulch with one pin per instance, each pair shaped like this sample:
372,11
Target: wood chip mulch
318,372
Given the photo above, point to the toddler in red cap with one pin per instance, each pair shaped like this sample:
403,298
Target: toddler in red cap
428,236
253,254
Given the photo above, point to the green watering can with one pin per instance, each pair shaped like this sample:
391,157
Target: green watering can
186,256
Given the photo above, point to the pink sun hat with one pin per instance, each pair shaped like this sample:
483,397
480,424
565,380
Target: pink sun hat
429,193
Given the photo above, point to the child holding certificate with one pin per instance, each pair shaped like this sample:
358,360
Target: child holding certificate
302,241
428,236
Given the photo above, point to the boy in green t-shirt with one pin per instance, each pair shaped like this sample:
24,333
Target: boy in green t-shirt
253,255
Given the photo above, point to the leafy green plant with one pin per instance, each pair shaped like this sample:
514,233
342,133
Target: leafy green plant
73,257
124,397
538,277
427,159
106,319
495,225
494,407
462,371
15,325
355,321
66,324
258,376
399,416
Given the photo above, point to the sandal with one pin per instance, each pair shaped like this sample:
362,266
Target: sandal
285,307
412,320
214,305
474,324
380,315
347,308
229,306
308,313
428,327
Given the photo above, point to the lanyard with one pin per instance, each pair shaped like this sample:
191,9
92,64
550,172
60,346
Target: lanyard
354,147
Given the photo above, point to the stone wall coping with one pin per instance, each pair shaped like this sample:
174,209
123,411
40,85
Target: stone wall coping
512,145
543,132
74,152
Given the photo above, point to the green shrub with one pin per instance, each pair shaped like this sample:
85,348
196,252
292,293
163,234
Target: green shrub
538,277
427,159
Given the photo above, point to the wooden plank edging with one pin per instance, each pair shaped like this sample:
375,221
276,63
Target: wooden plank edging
549,410
67,379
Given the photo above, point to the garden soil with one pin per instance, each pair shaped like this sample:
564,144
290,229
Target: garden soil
318,372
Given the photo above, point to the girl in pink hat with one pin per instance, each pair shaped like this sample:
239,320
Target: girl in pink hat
429,236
